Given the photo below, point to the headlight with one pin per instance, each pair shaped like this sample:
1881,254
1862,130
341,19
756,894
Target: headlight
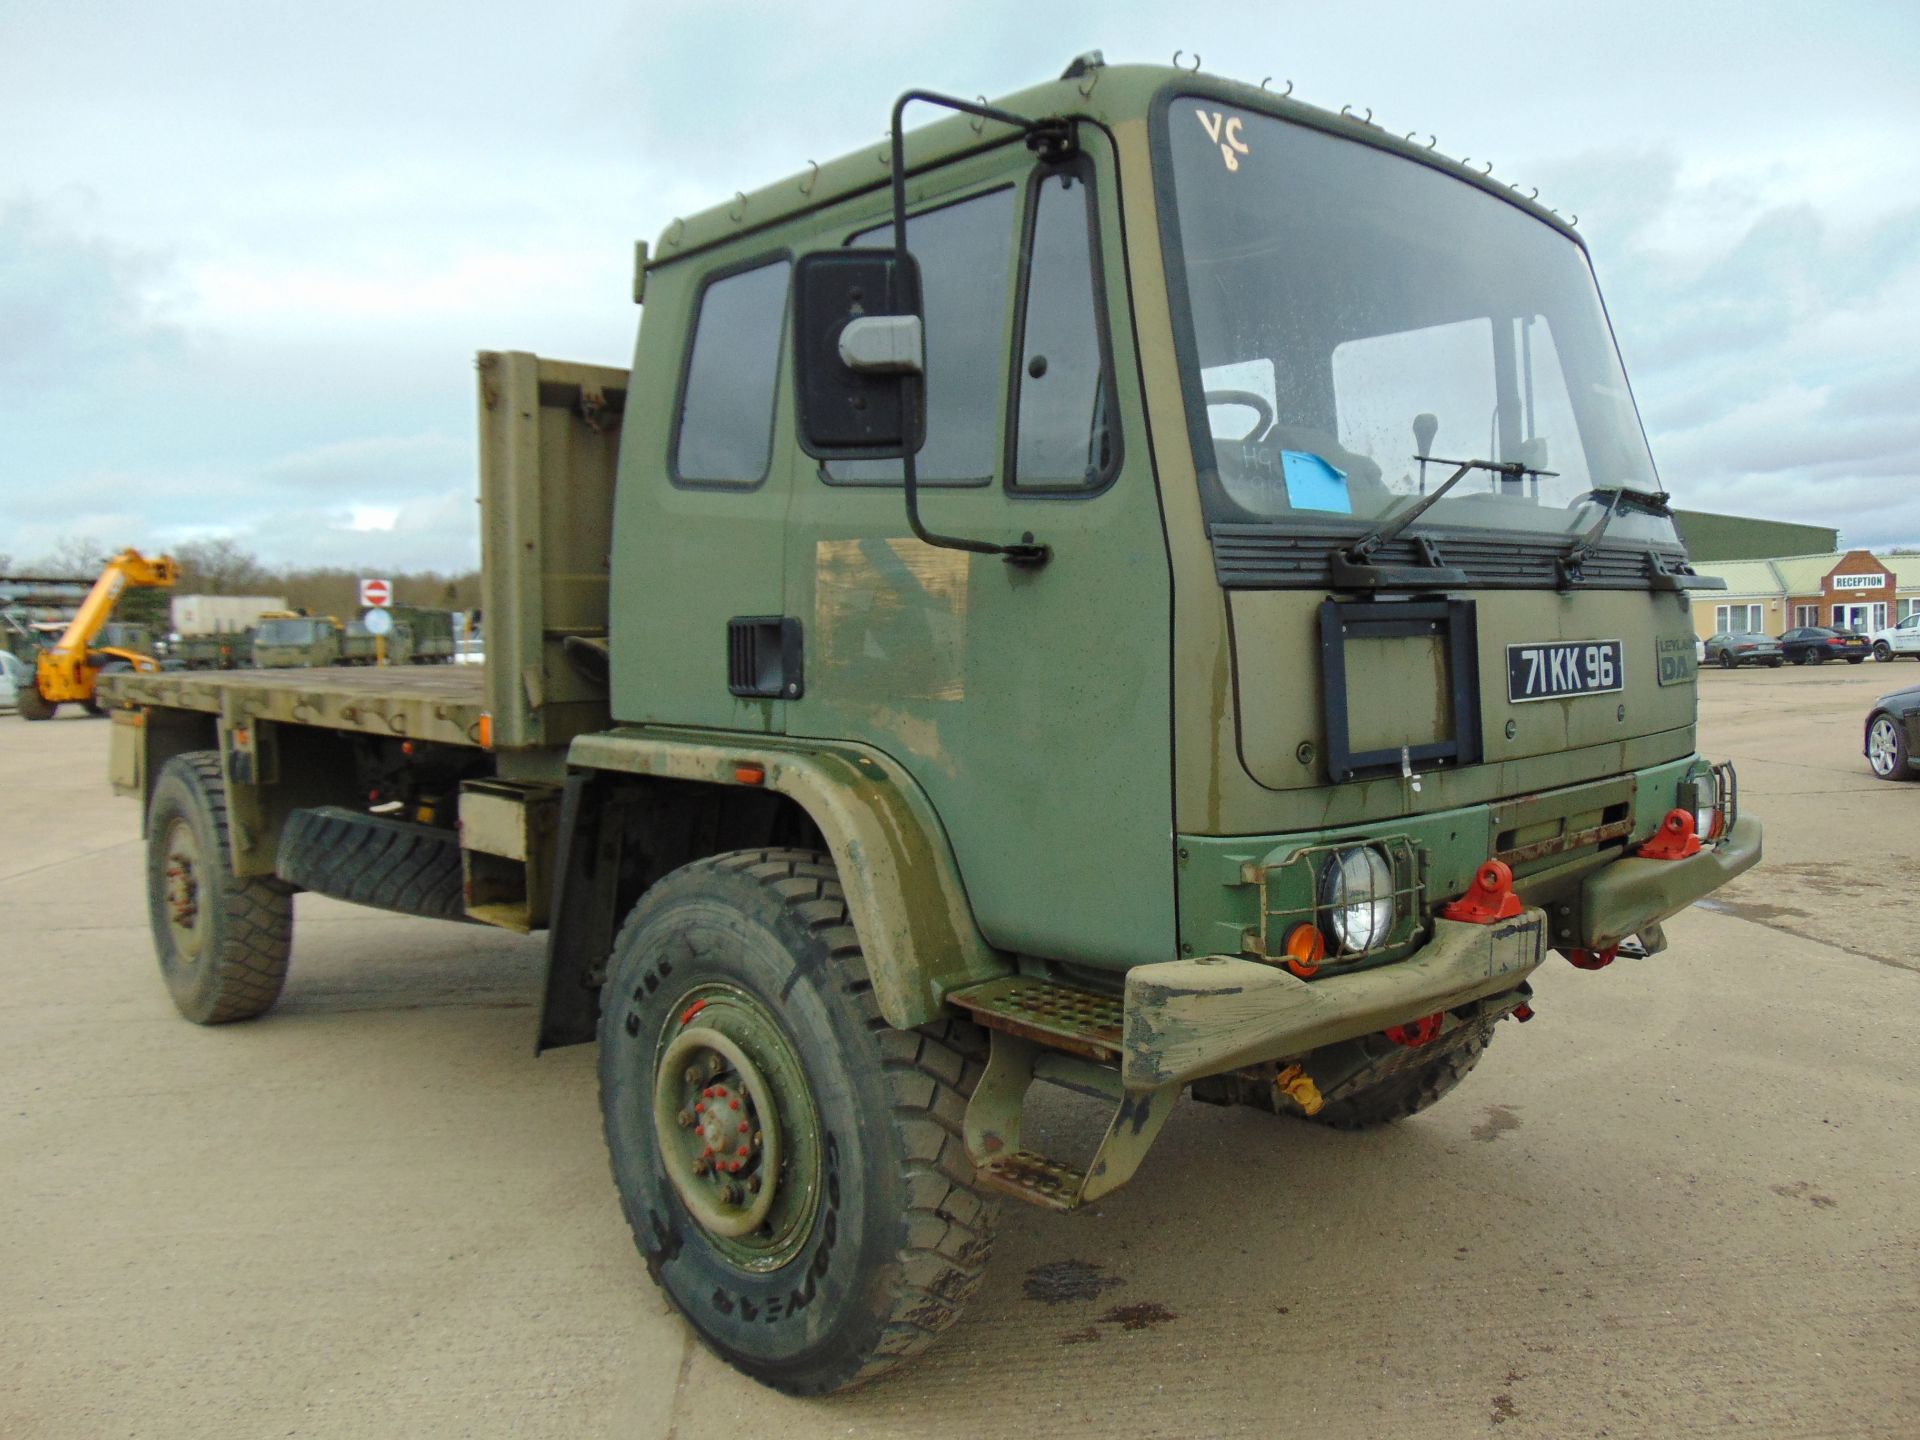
1706,805
1356,898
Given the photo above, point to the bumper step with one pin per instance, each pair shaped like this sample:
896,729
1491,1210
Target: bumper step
1030,1176
1079,1022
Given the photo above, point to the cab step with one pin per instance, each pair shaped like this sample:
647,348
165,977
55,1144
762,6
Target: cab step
1080,1022
1030,1176
1070,1037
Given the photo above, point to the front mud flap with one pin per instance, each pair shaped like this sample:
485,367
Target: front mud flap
993,1130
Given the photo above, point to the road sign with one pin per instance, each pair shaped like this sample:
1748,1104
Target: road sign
378,622
376,592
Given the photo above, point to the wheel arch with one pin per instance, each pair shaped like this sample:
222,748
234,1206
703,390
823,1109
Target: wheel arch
675,800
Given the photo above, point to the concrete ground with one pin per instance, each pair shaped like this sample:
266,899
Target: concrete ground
1683,1201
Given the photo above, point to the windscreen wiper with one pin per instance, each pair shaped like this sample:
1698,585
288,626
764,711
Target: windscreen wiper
1353,567
1648,502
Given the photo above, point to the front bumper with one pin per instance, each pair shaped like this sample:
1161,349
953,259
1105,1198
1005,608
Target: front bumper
1184,1019
1189,1018
1624,898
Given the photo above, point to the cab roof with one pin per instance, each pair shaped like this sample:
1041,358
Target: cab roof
1105,95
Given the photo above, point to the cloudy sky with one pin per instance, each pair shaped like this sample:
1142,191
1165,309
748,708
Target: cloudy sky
247,250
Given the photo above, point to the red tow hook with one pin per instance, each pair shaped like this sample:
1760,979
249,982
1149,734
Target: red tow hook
1423,1031
1488,899
1674,840
1593,959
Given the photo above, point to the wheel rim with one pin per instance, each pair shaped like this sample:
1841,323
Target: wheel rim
735,1122
1883,747
1726,660
185,873
1882,653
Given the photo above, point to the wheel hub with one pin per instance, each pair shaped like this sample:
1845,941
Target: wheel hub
182,894
719,1131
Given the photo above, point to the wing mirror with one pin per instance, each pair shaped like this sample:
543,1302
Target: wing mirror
859,350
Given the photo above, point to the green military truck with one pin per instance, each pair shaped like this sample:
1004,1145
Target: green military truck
429,634
295,642
360,646
1201,615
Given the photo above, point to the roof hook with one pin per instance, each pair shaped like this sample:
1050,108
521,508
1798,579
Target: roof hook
1488,170
738,209
1196,61
1347,110
979,122
1431,141
813,177
1284,93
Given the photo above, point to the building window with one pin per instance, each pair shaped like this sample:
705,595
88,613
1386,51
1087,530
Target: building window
726,405
1732,619
1806,615
1908,607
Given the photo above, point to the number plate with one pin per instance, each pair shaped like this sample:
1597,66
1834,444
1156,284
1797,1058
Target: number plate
1556,669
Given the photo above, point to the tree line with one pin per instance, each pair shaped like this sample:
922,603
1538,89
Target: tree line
223,567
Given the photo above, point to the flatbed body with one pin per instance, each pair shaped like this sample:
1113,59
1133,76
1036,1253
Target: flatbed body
443,704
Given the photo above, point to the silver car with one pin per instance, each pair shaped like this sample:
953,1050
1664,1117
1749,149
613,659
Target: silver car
1740,647
14,673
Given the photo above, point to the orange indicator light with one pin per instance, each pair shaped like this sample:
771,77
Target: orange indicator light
1306,948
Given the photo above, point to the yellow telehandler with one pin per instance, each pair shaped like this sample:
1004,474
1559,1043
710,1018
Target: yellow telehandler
68,669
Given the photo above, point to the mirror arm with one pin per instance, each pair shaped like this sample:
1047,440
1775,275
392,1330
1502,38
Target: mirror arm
1026,552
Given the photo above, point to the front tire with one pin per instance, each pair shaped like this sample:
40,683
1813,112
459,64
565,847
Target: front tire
1887,749
839,1231
222,940
1727,661
32,705
1882,651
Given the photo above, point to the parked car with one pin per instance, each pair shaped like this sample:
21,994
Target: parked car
1893,735
1742,647
15,675
1901,639
1816,644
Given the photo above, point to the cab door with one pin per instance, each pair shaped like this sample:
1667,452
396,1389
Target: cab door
697,600
1032,703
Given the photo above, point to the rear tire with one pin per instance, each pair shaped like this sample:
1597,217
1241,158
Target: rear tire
32,705
1856,659
1400,1096
1727,662
222,941
849,1233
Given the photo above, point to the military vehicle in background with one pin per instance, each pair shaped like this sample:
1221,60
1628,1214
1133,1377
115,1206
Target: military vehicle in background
360,646
292,642
430,631
225,650
1010,624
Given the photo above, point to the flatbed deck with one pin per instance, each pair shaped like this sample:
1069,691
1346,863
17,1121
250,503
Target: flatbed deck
441,703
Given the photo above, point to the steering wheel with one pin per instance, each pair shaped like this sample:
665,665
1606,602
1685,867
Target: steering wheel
1254,402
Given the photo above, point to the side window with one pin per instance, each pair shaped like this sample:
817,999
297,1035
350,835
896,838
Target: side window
965,252
1065,436
726,403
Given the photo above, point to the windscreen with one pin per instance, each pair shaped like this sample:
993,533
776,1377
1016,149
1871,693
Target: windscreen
1352,310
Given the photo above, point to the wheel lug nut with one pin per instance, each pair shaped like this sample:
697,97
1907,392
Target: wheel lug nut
692,1076
753,1184
685,1117
729,1193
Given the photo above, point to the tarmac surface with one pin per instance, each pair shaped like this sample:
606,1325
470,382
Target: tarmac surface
1685,1200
